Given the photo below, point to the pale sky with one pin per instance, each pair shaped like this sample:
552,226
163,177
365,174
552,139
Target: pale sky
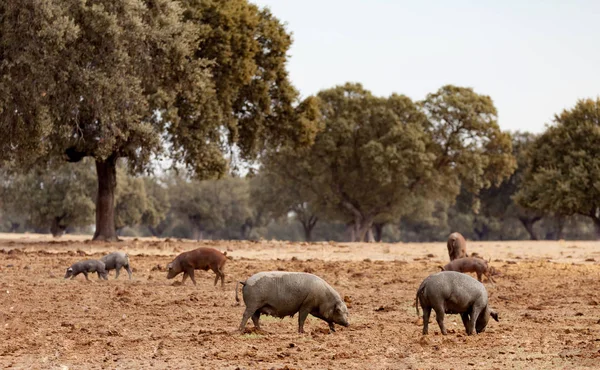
533,57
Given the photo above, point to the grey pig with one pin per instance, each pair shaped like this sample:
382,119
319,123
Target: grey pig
451,292
83,267
115,261
281,294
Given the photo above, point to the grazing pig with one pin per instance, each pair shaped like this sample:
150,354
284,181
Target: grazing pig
457,246
198,259
83,267
451,292
115,261
470,264
281,294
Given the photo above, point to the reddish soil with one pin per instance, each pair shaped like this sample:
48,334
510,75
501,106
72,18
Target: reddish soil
549,311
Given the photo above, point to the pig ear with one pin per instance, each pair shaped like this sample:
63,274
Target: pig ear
169,266
70,269
494,315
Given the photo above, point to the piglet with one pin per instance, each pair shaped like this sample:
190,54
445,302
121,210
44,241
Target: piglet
116,261
470,264
85,267
198,259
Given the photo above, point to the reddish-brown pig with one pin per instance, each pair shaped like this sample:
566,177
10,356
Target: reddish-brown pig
198,259
470,264
457,246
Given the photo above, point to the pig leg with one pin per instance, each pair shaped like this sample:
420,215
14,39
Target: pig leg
217,276
479,276
489,276
185,276
301,318
439,317
331,327
249,312
128,269
256,318
465,319
222,278
426,313
118,272
99,276
473,319
85,274
191,273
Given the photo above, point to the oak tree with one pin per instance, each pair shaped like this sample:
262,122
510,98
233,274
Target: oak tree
563,169
127,79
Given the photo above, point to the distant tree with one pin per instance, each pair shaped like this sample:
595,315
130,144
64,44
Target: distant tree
376,157
563,169
214,208
274,191
498,202
131,201
52,198
157,206
110,80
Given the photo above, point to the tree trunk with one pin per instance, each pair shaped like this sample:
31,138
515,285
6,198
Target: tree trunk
105,203
528,224
197,229
351,231
378,228
560,228
56,228
308,226
482,233
155,231
597,226
364,230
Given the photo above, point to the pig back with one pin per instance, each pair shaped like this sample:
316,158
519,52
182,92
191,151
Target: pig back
202,258
112,260
282,294
457,291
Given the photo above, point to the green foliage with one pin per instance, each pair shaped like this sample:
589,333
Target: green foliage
217,209
157,205
130,200
126,79
55,197
564,165
378,159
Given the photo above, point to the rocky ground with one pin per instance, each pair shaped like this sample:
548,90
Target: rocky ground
547,298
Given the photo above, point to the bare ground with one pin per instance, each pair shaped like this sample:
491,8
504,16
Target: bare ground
547,298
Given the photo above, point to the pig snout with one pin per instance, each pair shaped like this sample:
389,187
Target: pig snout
172,271
340,316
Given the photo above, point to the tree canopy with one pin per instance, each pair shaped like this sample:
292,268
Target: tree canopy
564,165
376,157
126,79
54,197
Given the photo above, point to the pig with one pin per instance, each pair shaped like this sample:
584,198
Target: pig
451,292
470,264
83,267
115,261
457,246
198,259
280,294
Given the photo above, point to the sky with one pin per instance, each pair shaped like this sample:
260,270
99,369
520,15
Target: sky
534,58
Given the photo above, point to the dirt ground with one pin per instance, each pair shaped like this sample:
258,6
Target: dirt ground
547,298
